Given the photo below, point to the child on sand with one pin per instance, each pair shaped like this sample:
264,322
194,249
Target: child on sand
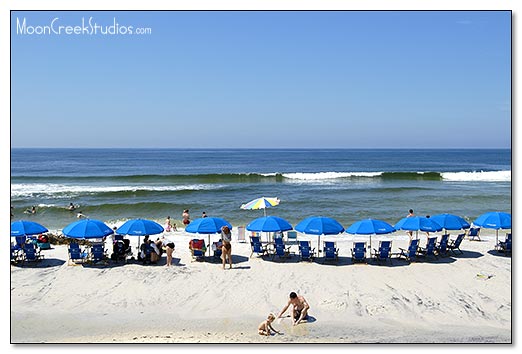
265,326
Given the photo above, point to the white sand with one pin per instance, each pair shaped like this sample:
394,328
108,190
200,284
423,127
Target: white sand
457,299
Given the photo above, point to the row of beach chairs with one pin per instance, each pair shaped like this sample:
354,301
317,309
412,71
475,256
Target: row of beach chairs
382,254
359,250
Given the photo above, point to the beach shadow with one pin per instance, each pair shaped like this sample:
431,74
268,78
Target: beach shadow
44,263
236,259
103,264
311,319
341,261
439,260
467,254
290,259
499,254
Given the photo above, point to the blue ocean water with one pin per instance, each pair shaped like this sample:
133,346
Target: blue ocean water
114,185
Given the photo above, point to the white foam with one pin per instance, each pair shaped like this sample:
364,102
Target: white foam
482,176
23,190
329,175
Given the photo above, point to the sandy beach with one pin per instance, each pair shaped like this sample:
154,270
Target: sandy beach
458,299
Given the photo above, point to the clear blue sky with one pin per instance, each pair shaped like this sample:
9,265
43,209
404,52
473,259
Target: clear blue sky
265,79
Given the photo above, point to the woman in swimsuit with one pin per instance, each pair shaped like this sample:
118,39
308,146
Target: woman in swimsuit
226,249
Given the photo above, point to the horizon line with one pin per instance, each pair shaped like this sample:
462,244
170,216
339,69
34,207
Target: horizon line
262,148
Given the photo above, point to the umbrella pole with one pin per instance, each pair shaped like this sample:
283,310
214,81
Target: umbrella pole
208,245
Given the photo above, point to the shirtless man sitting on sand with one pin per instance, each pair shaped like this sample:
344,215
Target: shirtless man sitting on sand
299,308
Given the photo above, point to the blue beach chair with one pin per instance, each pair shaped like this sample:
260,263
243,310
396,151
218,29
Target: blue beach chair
257,246
410,254
505,247
305,251
442,247
454,245
98,253
31,254
331,252
359,252
281,251
291,237
16,255
76,255
429,250
473,233
383,254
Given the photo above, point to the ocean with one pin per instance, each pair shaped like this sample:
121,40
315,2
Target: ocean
114,185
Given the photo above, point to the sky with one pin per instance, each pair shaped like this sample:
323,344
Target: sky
263,79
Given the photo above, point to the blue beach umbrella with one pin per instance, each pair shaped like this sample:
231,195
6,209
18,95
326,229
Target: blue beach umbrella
24,227
370,227
269,224
494,220
208,225
319,225
140,227
418,223
87,228
451,222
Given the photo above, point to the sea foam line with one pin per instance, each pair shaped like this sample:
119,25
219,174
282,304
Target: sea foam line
29,190
482,176
329,175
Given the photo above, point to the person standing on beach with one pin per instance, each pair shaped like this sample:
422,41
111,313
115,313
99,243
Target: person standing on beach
204,215
410,233
226,249
169,245
168,225
300,308
186,217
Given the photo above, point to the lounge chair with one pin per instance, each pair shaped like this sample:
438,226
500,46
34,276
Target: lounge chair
281,251
241,234
291,237
76,255
410,254
98,253
359,252
505,247
257,246
454,245
383,254
20,242
16,254
197,249
331,252
473,233
442,247
305,251
121,250
31,254
278,241
430,248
